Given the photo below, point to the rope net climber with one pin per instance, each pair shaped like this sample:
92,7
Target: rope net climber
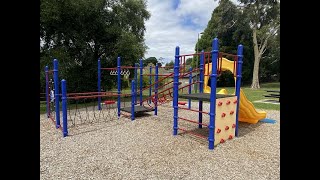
83,108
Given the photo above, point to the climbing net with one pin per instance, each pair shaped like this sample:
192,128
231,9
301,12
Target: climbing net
83,108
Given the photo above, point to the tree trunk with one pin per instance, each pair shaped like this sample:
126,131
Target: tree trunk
257,57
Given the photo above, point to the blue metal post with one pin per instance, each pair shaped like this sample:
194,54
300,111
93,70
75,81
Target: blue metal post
99,84
201,86
156,90
175,91
64,107
238,83
190,81
141,80
132,99
136,81
119,85
214,52
56,91
150,82
47,90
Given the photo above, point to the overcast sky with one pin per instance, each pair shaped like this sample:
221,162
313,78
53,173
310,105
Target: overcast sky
176,23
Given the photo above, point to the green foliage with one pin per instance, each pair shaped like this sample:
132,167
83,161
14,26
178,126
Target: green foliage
270,65
169,65
189,61
264,20
227,24
225,79
78,32
233,27
146,79
152,60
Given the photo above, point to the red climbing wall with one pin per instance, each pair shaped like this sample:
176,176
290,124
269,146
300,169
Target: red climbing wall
225,119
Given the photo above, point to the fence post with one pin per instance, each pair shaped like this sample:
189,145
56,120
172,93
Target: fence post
150,82
156,90
47,91
141,80
136,81
201,86
215,51
238,83
56,91
119,86
175,91
64,107
132,99
190,81
99,84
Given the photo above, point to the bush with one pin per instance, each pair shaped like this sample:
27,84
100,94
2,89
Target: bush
145,81
225,79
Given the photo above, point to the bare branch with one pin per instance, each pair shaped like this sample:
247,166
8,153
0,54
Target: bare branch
234,22
265,42
263,50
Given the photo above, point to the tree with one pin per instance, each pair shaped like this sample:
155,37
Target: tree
78,32
270,64
264,20
189,61
227,24
169,65
152,60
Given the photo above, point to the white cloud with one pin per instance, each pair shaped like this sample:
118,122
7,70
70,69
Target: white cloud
167,29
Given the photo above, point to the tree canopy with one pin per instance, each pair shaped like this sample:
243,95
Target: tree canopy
226,24
264,21
152,60
234,25
78,32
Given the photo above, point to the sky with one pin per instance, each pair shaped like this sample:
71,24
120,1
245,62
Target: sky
175,23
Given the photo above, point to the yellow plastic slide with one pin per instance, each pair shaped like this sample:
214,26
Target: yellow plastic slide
247,111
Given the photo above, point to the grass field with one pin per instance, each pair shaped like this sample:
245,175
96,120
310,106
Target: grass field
252,95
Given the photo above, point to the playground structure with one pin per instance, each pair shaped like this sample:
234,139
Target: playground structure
223,124
89,107
226,110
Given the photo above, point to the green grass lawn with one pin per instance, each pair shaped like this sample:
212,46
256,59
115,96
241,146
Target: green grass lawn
252,95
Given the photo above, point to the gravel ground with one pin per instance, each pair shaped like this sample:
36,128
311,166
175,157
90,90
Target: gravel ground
146,149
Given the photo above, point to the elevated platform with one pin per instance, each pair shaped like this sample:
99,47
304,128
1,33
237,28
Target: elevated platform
137,109
203,96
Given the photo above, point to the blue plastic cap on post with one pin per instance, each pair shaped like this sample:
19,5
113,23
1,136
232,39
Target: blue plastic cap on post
240,49
215,44
177,50
118,61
